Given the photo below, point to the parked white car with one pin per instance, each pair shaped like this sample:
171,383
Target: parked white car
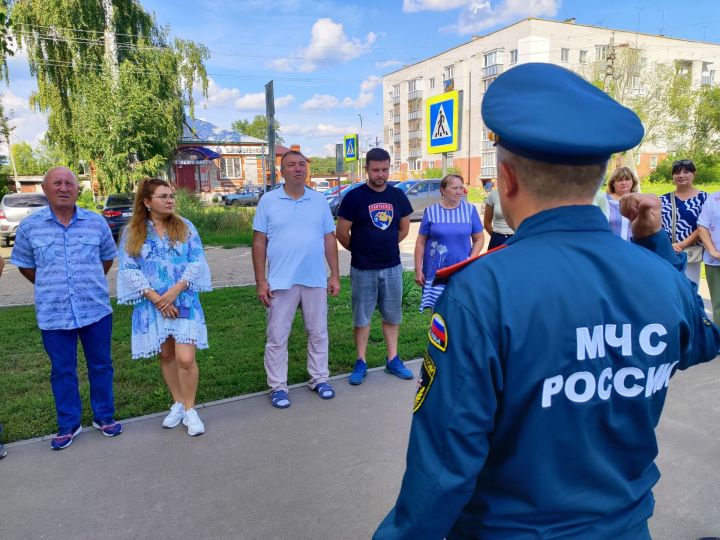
13,208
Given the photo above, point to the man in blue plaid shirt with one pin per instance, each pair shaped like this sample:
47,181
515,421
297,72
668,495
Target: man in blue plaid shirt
66,252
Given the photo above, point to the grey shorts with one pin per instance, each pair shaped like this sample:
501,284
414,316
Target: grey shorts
382,288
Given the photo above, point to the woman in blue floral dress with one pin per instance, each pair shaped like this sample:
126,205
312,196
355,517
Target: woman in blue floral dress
162,268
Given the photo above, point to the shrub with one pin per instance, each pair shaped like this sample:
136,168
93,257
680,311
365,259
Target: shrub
212,219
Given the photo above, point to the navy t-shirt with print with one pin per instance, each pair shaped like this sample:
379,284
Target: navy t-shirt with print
375,218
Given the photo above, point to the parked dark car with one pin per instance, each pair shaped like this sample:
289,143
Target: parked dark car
13,208
245,196
117,211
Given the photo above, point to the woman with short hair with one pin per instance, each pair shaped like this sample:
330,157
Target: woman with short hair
450,232
680,211
622,181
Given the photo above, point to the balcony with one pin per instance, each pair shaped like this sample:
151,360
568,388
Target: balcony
396,138
396,119
488,145
415,153
492,71
412,135
415,94
415,115
396,100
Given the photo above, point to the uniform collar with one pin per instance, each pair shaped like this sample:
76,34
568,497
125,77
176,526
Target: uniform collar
562,219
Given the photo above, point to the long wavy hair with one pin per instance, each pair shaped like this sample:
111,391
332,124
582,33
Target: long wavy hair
136,229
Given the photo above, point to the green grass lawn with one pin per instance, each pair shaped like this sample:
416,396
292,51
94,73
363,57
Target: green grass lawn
233,365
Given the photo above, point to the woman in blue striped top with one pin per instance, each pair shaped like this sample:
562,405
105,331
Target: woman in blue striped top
450,232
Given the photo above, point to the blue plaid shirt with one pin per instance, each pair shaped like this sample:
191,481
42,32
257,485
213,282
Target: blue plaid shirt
71,290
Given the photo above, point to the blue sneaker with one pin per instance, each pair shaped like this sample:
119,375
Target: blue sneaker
109,428
397,368
358,372
64,438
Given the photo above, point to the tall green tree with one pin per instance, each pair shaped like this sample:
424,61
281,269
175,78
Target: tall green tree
257,127
114,86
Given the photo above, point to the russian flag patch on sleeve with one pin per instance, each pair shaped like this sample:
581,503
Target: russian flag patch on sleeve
438,332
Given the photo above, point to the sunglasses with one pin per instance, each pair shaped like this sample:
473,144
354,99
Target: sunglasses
683,163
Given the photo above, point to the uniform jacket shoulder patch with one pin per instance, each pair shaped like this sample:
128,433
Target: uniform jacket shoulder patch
438,333
427,376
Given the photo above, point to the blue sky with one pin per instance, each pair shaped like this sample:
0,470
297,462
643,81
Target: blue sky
327,57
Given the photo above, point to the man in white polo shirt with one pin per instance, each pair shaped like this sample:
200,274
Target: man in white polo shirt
293,229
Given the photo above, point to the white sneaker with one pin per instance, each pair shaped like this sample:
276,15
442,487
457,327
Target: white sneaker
193,423
175,416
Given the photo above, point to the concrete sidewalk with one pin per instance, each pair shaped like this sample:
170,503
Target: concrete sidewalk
319,470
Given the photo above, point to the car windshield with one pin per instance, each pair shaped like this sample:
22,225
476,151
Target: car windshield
120,199
23,200
405,186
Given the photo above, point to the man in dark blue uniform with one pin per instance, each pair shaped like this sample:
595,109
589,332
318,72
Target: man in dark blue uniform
550,357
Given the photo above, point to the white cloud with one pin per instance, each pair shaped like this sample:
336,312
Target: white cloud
326,102
219,96
388,64
411,6
366,95
256,102
30,125
328,45
329,149
317,130
480,15
320,102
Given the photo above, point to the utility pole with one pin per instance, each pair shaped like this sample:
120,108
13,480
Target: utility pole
359,150
270,115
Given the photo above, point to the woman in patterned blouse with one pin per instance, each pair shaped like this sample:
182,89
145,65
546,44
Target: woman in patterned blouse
688,204
162,268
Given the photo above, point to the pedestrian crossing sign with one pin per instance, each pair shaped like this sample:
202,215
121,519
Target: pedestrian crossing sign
351,147
441,123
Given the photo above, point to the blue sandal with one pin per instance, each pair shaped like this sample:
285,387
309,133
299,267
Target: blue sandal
324,390
280,399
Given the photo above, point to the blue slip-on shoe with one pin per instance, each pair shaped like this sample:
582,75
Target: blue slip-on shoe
324,390
358,372
109,428
279,399
397,368
64,438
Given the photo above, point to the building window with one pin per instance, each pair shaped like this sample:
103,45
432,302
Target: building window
432,83
583,57
487,82
493,58
412,85
653,162
601,52
448,73
488,169
231,168
564,55
637,158
513,56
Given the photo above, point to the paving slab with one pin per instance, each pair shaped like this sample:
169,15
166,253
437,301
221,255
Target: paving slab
319,470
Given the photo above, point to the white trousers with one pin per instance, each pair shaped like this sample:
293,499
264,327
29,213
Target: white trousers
280,315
